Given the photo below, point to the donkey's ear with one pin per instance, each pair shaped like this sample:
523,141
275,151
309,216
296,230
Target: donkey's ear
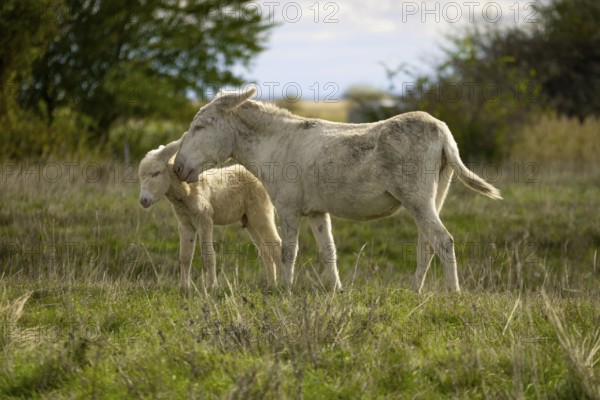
229,100
168,151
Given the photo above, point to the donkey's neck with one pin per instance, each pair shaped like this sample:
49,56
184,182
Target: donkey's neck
264,118
256,124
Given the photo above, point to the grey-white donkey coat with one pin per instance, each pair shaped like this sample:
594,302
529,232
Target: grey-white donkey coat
315,168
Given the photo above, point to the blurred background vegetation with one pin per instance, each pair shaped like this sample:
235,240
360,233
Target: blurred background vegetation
111,79
78,76
499,88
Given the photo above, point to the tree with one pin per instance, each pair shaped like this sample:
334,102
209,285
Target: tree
26,28
491,80
565,53
478,91
559,56
113,59
481,92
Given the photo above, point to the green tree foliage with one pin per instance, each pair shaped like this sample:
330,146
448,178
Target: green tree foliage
479,92
26,28
113,59
493,79
564,51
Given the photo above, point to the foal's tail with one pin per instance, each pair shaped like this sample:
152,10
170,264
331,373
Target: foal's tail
468,177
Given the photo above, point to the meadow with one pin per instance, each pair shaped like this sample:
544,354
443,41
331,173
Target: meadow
90,305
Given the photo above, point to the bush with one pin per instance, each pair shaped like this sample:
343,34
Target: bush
25,135
133,139
560,141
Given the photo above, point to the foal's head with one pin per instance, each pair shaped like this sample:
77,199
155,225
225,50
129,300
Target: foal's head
154,174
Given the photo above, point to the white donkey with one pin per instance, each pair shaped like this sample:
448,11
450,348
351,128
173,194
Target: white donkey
220,197
314,168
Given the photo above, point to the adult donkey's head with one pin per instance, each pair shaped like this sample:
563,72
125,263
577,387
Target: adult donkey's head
210,138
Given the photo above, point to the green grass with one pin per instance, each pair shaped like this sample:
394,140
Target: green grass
89,304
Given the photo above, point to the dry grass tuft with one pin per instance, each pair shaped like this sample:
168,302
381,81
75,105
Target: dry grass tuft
10,313
582,351
559,141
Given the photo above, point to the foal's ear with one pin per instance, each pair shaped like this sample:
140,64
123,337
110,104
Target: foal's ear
229,100
168,151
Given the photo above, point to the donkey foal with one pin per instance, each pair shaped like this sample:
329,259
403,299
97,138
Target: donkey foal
219,197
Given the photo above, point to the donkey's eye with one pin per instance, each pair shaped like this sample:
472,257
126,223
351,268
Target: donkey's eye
157,173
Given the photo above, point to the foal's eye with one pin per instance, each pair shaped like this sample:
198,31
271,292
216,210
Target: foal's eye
157,173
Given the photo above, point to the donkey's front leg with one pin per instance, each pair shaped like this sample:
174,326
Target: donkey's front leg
209,257
320,225
290,224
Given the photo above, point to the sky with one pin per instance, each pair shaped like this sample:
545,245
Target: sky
321,48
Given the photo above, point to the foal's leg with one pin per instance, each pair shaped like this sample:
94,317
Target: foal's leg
262,230
321,228
187,242
209,257
265,250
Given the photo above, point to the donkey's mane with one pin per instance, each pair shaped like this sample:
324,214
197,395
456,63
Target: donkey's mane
267,108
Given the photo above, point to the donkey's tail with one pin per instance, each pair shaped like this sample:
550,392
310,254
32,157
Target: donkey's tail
468,177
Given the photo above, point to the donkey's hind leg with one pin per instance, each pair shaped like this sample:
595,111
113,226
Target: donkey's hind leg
432,228
423,198
425,251
424,255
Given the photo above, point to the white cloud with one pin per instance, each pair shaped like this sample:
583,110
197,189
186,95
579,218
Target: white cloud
345,41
